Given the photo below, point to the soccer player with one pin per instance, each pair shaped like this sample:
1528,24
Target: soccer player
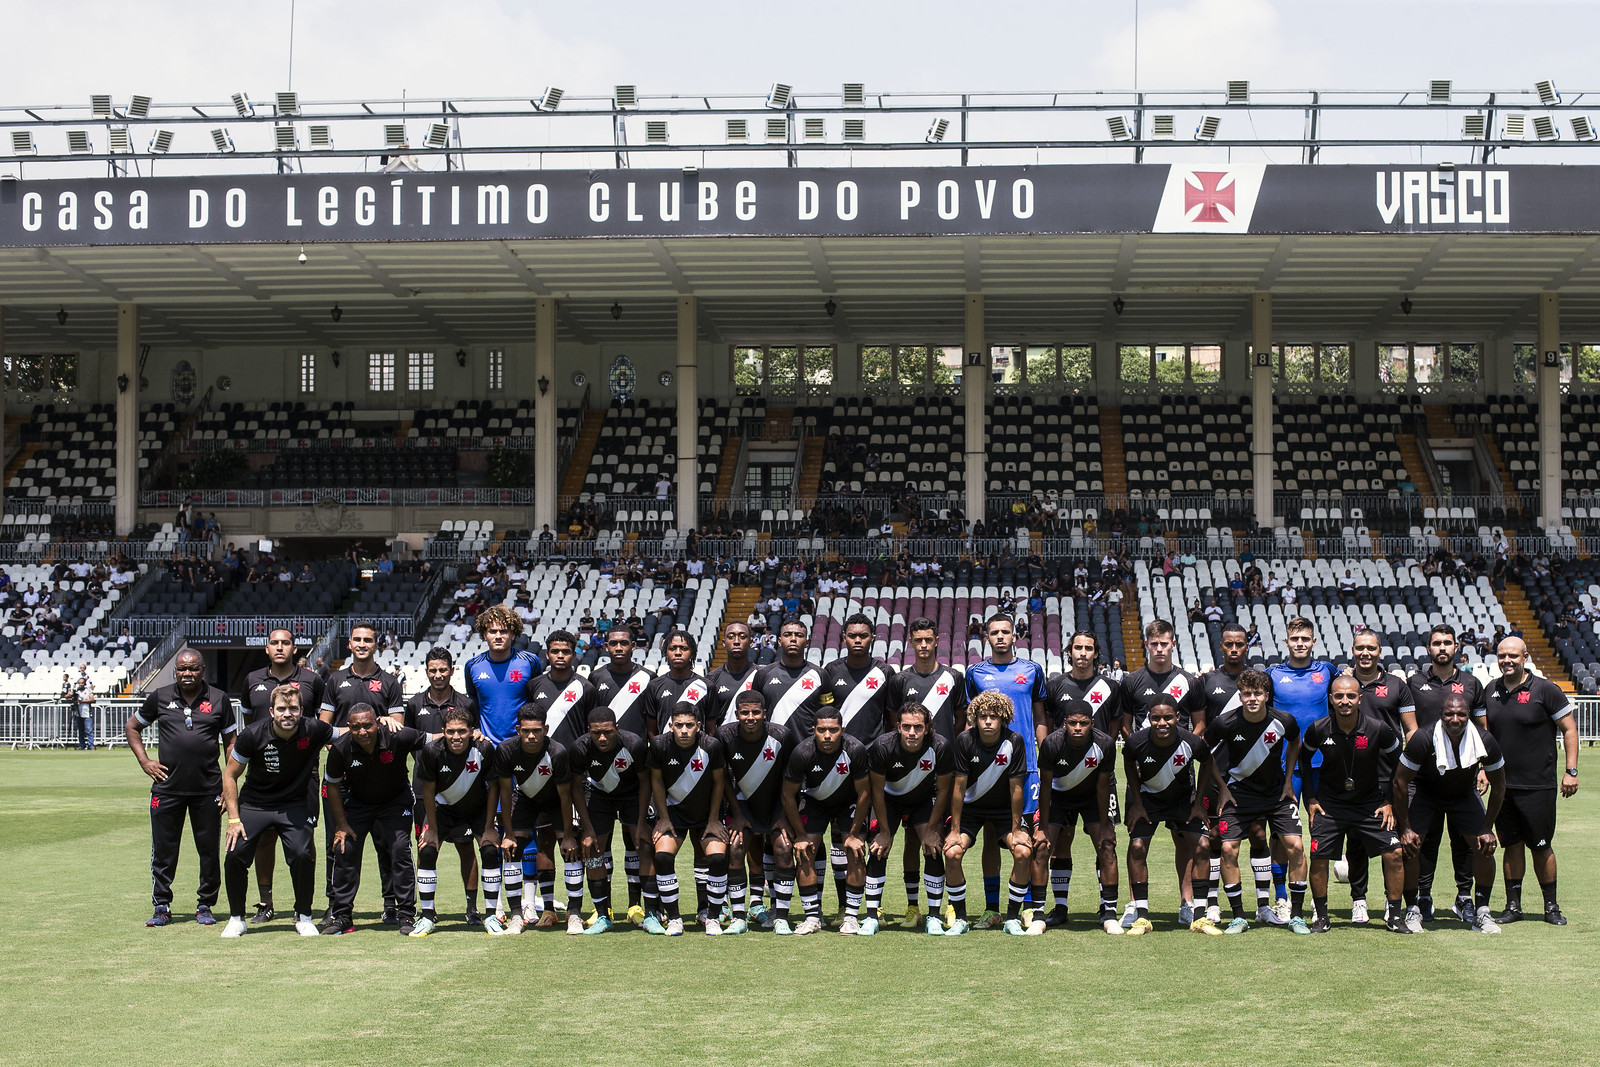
829,771
456,771
1429,689
1159,760
561,692
1444,764
363,682
281,669
1252,748
687,783
1161,679
989,791
1022,682
1351,795
370,794
1524,713
1269,864
735,676
281,754
425,712
500,679
621,684
792,687
534,784
607,765
856,684
753,748
910,771
1075,762
195,722
941,690
681,685
1388,698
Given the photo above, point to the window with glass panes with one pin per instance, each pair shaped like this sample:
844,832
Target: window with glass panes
308,372
1304,364
380,372
1401,365
497,369
419,372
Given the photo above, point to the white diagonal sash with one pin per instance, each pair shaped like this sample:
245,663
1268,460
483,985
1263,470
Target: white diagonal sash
1257,754
608,782
992,774
623,699
464,781
797,693
536,782
562,705
834,779
1178,761
913,777
757,773
935,701
690,777
1075,777
732,712
860,695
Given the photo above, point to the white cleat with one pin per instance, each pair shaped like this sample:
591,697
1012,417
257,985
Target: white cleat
1283,910
1485,923
515,924
674,928
1358,912
1413,920
530,913
236,927
1111,926
1214,912
1035,928
713,928
574,923
305,926
1267,914
850,925
811,925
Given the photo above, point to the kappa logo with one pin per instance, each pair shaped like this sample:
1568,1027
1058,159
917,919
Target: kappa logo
1328,743
261,688
355,763
672,763
898,765
1149,692
1238,737
1217,691
722,689
1149,759
816,770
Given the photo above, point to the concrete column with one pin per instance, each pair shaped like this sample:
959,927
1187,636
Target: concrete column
1261,405
1549,409
688,379
3,384
127,512
974,390
546,472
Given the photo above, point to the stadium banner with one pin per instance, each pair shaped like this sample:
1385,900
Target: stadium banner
773,202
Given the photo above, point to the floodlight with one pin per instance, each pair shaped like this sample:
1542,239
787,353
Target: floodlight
1474,127
1544,127
626,96
120,142
738,130
78,142
161,143
100,105
778,96
438,135
1119,128
321,136
815,130
937,131
1238,92
1439,91
242,104
855,129
139,107
394,134
655,131
22,143
1515,127
288,103
1582,128
1207,130
777,129
1547,92
221,140
1163,127
855,94
284,139
549,100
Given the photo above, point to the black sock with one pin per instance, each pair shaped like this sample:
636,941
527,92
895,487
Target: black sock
1514,893
1396,907
1297,900
1141,899
1015,895
1549,891
1108,901
1235,892
1411,898
472,900
1480,899
266,893
1320,906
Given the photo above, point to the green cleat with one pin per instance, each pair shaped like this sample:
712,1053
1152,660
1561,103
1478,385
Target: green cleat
601,925
1238,926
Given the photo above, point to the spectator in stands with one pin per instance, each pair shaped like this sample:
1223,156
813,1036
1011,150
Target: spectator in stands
1289,595
1214,613
663,489
974,629
305,577
614,587
634,624
1007,603
458,632
1347,586
1196,613
82,724
1116,672
285,576
1274,587
668,608
124,641
1109,567
1252,639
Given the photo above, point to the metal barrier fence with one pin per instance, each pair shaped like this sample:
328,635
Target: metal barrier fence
482,496
253,629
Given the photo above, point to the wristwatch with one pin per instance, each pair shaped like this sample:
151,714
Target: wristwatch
1572,772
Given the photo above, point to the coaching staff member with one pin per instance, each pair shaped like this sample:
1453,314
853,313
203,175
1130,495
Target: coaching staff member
194,721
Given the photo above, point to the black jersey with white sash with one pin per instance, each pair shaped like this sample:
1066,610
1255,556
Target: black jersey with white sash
755,768
941,692
725,687
1164,773
460,782
534,775
793,696
1252,755
616,773
910,779
687,774
565,705
827,780
624,693
859,694
1073,771
989,770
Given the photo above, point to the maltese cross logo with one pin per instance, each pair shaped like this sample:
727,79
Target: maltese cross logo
1208,197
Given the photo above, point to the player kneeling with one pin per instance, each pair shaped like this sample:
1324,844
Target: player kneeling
686,778
991,768
912,776
1077,761
1160,764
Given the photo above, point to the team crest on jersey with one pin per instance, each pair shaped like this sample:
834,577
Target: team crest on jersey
923,765
1000,759
1361,742
1316,676
943,689
303,743
1458,687
386,757
1380,691
1091,761
204,708
1523,698
842,767
514,676
1020,679
374,685
697,764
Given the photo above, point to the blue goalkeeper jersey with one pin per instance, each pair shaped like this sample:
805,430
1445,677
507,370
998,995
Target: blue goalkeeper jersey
500,690
1303,693
1023,681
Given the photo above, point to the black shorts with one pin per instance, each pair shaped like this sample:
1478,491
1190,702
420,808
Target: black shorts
1175,818
607,811
973,822
1067,812
532,816
770,823
459,827
1282,818
1528,817
910,816
816,818
682,821
1330,827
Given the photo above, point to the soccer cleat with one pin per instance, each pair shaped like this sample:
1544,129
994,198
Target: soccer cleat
957,928
1111,926
1204,925
713,927
1035,928
912,920
1425,904
1512,914
1395,923
850,926
474,917
1341,870
652,925
1358,912
1014,927
235,928
1238,925
203,916
391,916
1485,923
332,927
761,915
1553,916
1186,913
1282,909
932,925
162,917
264,914
736,927
1128,916
636,914
530,914
1140,927
674,928
1414,920
781,927
1465,911
306,926
811,925
405,928
1320,925
601,925
495,925
702,916
1214,913
989,920
422,927
575,923
546,920
1269,915
1057,916
1297,925
869,926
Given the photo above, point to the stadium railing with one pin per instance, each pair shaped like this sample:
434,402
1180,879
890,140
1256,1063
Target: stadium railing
485,496
157,658
253,629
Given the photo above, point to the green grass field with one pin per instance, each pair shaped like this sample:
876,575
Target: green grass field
83,981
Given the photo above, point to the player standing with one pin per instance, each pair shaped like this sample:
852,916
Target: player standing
681,685
425,712
566,698
856,684
456,772
500,679
735,676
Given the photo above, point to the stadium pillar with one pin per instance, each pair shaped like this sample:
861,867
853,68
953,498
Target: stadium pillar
2,398
546,475
688,378
1261,405
1550,409
127,510
974,382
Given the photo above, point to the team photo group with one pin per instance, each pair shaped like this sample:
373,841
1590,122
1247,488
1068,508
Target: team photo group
781,778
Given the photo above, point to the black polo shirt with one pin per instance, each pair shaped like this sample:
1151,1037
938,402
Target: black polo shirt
1525,721
346,689
424,713
1430,693
373,778
1365,757
191,738
1421,757
258,687
278,770
1387,697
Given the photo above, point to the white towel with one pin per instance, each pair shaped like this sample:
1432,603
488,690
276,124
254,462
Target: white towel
1444,751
